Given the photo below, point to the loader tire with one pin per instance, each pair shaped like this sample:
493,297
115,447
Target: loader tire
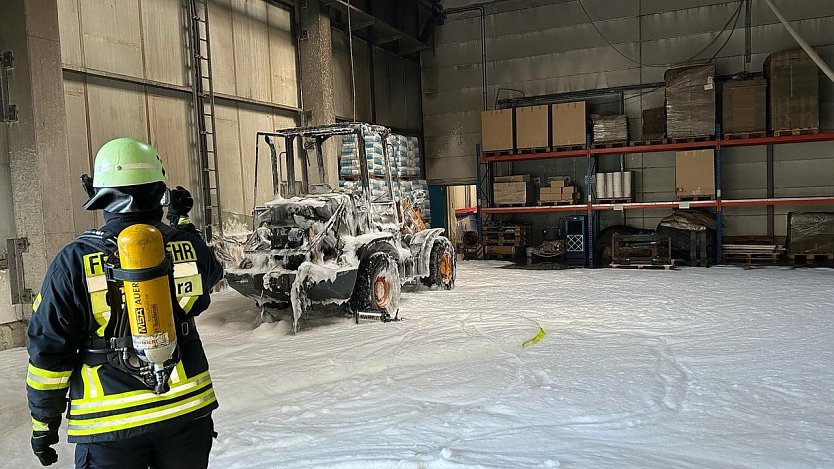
377,286
442,265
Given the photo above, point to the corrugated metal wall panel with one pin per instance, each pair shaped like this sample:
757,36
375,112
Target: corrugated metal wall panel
283,67
78,152
224,69
111,36
341,77
70,32
162,26
251,49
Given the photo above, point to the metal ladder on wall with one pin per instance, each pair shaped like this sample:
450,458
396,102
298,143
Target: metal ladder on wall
203,106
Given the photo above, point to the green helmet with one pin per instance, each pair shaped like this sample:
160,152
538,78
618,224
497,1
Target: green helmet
127,162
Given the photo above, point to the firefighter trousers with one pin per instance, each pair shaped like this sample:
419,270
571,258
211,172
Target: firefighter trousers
185,446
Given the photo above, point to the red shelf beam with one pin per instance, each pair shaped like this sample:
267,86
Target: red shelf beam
656,205
535,156
777,201
537,209
741,142
664,205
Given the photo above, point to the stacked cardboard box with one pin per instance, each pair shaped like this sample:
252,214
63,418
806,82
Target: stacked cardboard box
743,106
695,173
497,130
558,190
654,124
531,129
690,101
610,129
569,123
512,190
793,91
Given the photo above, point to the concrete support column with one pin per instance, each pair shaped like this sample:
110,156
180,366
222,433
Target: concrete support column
36,145
316,54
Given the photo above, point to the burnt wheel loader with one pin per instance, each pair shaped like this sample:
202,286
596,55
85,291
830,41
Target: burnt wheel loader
350,246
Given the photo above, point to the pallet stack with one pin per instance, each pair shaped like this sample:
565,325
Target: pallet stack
558,191
810,237
507,241
752,252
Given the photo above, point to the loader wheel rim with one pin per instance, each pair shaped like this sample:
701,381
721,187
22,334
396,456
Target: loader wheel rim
445,266
382,292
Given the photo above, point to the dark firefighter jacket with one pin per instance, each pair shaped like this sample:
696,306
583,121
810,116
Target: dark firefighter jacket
105,403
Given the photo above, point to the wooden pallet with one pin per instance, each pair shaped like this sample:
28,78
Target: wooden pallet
808,131
804,259
525,151
510,205
610,145
496,152
614,200
514,251
558,148
749,258
643,266
650,141
692,198
701,138
740,135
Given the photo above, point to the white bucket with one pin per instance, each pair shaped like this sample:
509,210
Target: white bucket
600,185
617,191
627,178
609,185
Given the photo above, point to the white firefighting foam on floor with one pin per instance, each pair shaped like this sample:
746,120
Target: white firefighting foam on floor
715,367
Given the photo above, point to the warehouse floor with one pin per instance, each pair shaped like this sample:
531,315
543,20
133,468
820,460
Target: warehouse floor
690,368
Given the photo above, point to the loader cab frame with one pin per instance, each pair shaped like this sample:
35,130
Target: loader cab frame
384,209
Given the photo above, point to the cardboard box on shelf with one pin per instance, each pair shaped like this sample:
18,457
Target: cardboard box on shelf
743,106
531,127
497,130
557,183
695,173
569,190
793,91
512,193
569,122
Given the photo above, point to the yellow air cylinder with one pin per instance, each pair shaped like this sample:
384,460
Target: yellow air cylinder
149,304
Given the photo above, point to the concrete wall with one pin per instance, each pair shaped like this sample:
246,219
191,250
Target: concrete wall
253,58
548,46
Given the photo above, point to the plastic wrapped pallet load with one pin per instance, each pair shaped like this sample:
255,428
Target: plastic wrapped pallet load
690,101
609,185
610,129
627,179
601,189
617,190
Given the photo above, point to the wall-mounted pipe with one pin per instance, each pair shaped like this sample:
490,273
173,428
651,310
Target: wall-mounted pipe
802,43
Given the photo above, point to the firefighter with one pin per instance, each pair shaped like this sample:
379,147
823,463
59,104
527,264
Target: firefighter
79,339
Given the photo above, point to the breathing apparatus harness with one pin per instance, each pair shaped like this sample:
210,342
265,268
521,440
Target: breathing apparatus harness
117,347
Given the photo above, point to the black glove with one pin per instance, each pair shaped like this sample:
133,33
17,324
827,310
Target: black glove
179,205
44,435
